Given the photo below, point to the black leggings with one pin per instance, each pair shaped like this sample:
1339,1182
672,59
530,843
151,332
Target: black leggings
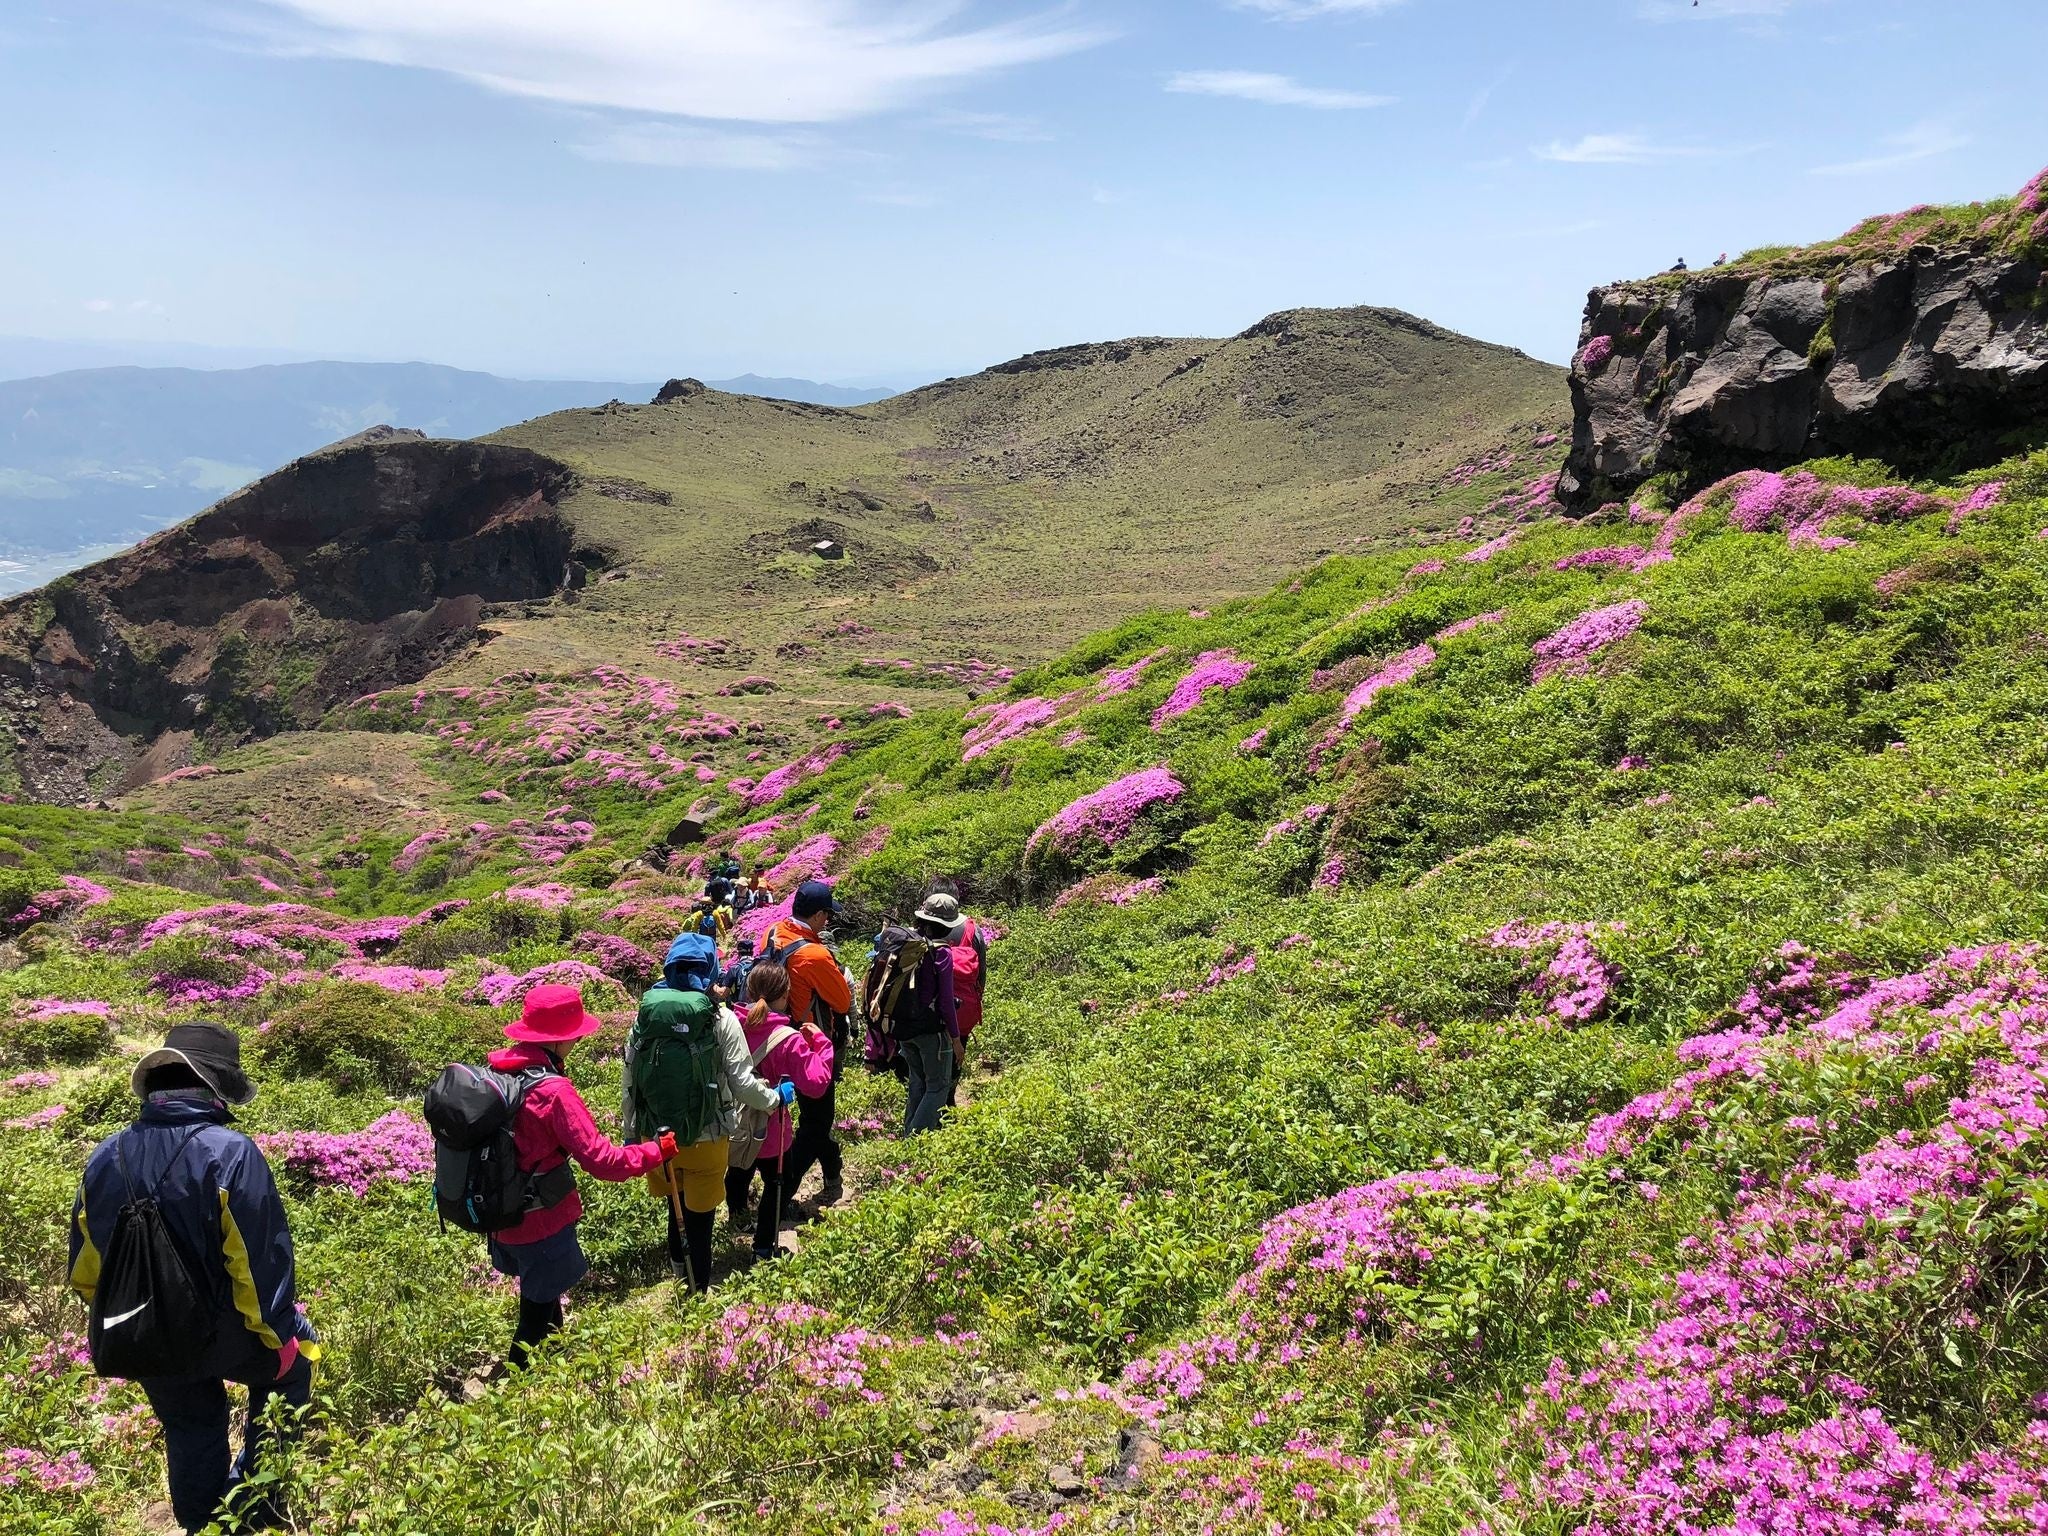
768,1220
537,1321
813,1144
696,1233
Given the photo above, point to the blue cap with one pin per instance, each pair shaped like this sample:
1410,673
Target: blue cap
813,896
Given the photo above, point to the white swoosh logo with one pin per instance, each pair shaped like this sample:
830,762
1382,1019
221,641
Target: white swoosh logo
115,1322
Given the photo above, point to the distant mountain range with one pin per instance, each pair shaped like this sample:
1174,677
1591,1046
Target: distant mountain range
95,458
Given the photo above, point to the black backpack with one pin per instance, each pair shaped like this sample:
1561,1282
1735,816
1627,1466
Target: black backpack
150,1315
478,1185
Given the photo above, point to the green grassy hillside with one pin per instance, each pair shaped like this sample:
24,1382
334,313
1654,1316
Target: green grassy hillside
1527,1036
1005,515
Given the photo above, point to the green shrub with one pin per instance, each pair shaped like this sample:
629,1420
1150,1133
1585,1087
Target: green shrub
71,1038
350,1033
18,889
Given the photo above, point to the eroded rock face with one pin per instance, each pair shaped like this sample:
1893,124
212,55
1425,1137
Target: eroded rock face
1927,359
353,569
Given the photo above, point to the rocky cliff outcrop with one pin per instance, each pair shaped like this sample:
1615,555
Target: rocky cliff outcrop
349,570
1929,356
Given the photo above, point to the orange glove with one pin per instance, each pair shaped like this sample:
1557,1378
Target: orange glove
667,1142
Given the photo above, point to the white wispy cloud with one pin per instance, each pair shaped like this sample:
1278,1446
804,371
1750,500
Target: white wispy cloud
1302,10
768,61
1002,127
99,306
690,146
1484,95
901,197
1923,141
1272,90
1615,149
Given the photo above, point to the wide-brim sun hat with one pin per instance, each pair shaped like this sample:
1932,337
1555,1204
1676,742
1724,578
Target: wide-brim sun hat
212,1052
943,912
553,1015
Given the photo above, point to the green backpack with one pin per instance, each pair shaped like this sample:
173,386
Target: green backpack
673,1066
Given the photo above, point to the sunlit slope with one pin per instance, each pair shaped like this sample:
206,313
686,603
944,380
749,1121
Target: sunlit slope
1010,512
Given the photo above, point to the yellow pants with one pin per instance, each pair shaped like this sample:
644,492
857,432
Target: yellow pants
701,1171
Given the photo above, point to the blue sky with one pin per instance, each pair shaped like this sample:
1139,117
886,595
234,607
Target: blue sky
897,189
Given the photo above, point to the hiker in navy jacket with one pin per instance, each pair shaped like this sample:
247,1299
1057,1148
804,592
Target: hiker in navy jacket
221,1205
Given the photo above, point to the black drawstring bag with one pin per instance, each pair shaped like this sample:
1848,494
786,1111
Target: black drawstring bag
149,1316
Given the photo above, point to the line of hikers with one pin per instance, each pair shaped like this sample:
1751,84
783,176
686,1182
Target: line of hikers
180,1245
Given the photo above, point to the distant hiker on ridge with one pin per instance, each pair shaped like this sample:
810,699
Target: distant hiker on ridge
180,1247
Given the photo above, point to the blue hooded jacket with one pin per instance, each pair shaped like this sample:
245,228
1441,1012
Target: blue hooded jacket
691,964
221,1204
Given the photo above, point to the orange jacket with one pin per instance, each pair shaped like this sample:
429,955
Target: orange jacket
813,970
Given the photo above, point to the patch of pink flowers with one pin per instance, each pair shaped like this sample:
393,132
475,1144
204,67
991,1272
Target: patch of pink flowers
1331,876
1466,626
37,1120
1729,1412
1229,968
1394,671
403,979
1213,672
1307,816
1982,499
54,1007
1594,354
1256,742
52,1474
1491,547
1137,890
774,785
395,1147
1124,679
1623,557
550,895
1802,505
806,861
500,988
1571,649
1367,1229
1108,814
1565,974
997,723
404,861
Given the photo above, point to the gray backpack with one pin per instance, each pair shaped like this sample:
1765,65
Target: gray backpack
751,1134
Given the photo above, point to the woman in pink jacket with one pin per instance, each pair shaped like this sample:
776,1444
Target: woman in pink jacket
801,1056
553,1128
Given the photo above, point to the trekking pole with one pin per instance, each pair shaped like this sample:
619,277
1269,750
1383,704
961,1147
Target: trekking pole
675,1206
781,1194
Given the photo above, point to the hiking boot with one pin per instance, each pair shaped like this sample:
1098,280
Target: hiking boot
767,1255
830,1194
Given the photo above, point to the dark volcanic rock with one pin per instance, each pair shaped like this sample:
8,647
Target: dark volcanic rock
678,389
1927,358
350,570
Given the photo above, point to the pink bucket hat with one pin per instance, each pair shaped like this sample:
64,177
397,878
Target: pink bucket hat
553,1015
